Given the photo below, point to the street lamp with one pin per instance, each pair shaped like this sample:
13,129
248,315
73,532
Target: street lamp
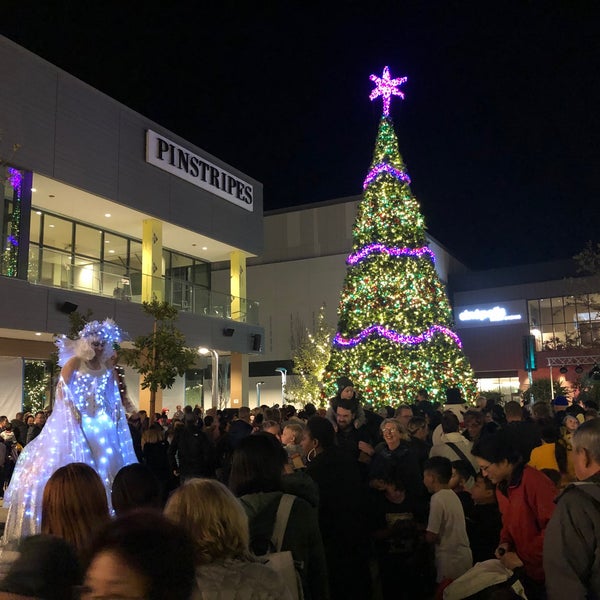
258,384
215,374
283,373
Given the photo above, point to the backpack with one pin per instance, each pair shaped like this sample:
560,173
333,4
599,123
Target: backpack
280,561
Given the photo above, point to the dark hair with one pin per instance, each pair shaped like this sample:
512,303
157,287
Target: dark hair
497,447
135,486
310,409
208,420
440,466
463,468
321,429
489,485
257,465
151,545
553,475
415,424
475,415
47,567
393,474
450,422
350,404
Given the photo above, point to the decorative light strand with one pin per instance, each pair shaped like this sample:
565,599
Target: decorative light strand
394,336
386,88
392,251
385,168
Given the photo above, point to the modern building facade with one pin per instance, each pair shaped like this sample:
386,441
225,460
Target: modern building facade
103,209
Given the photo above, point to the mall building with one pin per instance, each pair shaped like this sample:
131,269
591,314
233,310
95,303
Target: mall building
104,209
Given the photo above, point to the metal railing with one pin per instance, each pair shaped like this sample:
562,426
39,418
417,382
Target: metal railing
57,269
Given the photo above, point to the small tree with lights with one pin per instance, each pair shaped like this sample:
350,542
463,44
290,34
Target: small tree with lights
311,356
395,323
161,355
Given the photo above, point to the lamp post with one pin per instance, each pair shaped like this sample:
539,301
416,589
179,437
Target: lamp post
283,372
258,384
215,374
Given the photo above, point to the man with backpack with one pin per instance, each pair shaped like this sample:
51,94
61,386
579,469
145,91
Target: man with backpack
572,540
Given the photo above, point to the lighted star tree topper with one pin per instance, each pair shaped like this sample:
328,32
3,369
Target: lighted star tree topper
395,331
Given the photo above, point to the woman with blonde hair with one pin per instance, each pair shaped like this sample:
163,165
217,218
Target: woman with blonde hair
74,505
219,525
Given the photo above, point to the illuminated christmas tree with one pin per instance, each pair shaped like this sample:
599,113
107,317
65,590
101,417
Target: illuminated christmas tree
395,323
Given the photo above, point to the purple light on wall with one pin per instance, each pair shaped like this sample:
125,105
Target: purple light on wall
396,337
386,88
15,178
380,248
385,168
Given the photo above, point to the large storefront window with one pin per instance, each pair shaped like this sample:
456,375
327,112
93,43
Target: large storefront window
506,387
565,321
64,253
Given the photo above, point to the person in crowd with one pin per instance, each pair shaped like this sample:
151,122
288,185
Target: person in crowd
155,450
461,482
559,406
526,500
136,486
341,510
397,531
446,529
191,453
526,434
550,456
46,567
396,448
484,521
178,414
74,506
456,404
141,555
20,428
39,420
272,427
256,479
219,526
349,434
569,427
240,427
453,445
571,544
418,431
404,413
291,439
87,425
474,424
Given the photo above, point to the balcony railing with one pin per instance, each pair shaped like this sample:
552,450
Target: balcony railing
56,269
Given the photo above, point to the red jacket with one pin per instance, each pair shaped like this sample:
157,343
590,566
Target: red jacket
526,504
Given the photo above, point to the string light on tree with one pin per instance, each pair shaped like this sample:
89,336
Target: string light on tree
395,331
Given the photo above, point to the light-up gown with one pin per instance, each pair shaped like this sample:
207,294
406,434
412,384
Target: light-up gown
88,424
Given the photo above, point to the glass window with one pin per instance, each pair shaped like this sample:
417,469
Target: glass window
88,241
135,256
558,314
583,308
570,309
534,313
115,249
546,311
595,307
35,226
201,274
58,233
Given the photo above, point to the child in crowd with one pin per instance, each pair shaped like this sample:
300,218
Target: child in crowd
484,520
461,483
290,438
397,531
446,527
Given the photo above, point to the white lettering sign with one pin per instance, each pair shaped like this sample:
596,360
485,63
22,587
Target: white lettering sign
182,163
493,315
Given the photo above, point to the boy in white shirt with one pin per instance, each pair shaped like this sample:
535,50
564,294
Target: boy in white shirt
446,527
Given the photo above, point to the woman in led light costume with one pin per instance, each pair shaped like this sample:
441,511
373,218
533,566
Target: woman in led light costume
88,424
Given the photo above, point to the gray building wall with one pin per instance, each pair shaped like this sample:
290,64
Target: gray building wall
67,130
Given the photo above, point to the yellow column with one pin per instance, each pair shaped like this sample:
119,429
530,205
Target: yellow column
239,380
153,285
239,362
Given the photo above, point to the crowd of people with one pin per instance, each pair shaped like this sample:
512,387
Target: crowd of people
413,501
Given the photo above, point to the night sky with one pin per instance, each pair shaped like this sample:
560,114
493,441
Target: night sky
499,130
